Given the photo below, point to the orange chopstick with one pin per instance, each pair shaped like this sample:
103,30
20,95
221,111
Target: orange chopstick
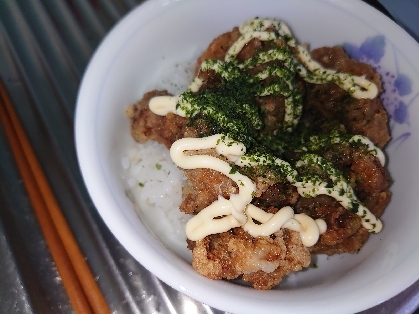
81,287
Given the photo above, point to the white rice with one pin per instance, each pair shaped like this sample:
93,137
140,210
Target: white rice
152,181
151,175
154,185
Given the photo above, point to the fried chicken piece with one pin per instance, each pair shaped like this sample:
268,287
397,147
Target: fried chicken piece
145,125
351,244
272,107
377,202
344,230
370,179
341,224
372,182
370,175
261,261
360,116
218,47
277,195
204,186
221,44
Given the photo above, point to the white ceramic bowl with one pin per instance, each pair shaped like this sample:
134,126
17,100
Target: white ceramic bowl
160,33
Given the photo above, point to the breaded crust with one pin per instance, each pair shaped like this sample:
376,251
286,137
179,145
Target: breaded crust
261,261
264,261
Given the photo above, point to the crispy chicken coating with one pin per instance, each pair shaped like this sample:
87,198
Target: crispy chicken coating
261,261
329,102
264,261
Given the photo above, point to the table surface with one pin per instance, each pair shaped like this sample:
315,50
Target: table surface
44,49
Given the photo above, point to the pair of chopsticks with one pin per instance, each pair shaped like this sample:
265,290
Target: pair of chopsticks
81,287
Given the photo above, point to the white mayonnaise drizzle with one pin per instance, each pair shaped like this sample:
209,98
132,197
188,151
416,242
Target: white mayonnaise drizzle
246,186
308,228
310,70
239,212
162,105
340,191
370,147
307,68
223,214
358,86
216,218
316,142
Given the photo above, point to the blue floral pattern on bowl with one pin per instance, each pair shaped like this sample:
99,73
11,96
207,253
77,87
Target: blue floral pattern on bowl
398,93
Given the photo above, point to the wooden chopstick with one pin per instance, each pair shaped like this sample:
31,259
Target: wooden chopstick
59,255
81,287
